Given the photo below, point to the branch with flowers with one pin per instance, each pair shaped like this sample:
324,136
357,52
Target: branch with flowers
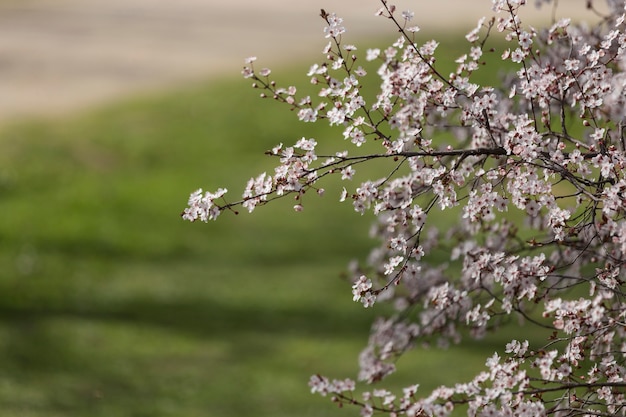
534,168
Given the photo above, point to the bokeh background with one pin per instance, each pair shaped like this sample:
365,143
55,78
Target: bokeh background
111,112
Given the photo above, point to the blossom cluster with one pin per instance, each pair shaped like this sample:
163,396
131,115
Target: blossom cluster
532,170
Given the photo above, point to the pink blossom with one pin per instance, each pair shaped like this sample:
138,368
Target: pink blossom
496,201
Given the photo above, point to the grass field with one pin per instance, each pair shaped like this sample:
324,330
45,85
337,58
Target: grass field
111,305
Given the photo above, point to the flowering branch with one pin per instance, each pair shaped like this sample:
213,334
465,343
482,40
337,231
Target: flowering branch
530,172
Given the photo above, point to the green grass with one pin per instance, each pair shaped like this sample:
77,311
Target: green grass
111,305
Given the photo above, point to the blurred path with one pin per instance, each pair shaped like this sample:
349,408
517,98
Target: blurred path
58,56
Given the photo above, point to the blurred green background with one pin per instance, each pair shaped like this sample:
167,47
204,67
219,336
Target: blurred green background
111,305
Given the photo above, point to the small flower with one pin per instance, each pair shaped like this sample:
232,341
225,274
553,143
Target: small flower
517,55
361,291
571,64
247,72
368,299
408,15
334,28
392,264
372,54
347,173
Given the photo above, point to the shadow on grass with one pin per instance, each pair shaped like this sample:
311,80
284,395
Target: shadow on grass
30,346
210,318
201,318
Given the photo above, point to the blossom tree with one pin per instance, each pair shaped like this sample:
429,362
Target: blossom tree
533,166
